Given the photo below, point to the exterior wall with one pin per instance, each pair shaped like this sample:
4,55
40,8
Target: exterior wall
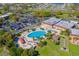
59,28
73,38
77,26
46,26
58,32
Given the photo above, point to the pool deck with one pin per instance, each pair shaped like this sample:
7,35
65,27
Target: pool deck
25,45
29,42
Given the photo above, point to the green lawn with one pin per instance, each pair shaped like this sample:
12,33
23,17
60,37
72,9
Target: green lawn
54,50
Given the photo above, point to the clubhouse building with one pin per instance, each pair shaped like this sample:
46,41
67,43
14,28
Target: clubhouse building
62,25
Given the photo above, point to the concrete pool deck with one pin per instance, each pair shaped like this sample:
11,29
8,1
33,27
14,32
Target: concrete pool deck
29,42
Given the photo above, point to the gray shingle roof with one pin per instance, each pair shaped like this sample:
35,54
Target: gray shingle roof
52,21
66,24
74,31
62,23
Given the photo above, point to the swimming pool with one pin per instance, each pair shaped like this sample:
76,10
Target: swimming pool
36,34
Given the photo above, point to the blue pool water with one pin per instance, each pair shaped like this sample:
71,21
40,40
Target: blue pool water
37,34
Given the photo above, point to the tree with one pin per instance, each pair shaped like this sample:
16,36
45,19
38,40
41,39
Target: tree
7,39
24,53
1,22
43,43
10,43
4,37
1,12
76,14
70,6
19,34
73,6
65,33
14,17
1,44
2,32
6,8
58,13
7,36
49,35
32,52
41,14
15,51
35,53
